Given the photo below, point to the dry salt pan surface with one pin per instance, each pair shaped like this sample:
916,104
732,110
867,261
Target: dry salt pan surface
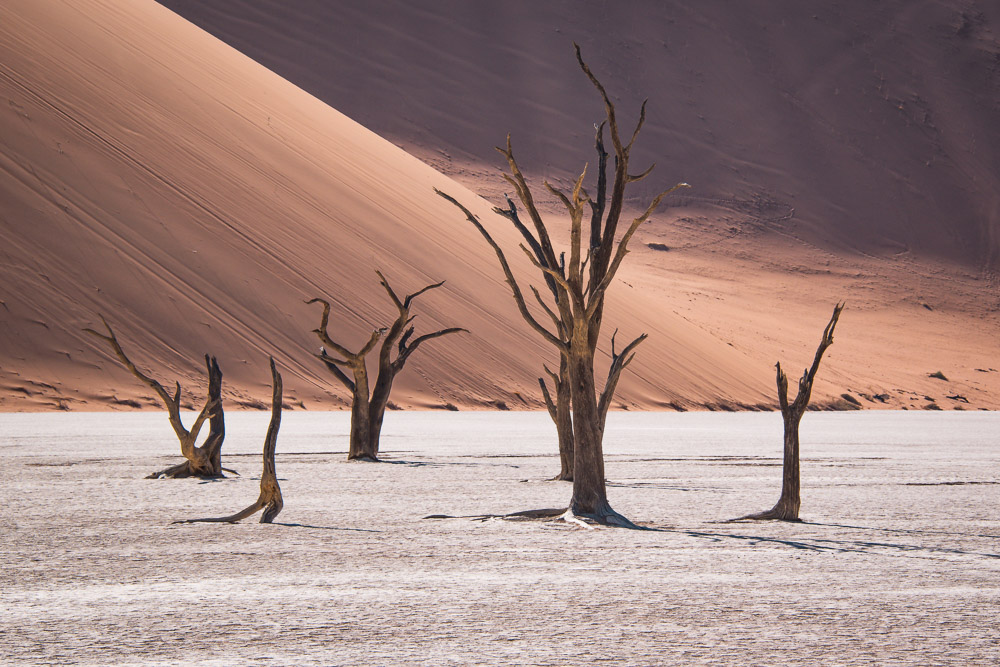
898,560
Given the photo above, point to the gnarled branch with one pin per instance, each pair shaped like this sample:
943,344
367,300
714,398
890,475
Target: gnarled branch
511,281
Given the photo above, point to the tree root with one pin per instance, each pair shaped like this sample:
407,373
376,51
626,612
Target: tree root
183,471
588,521
773,514
271,509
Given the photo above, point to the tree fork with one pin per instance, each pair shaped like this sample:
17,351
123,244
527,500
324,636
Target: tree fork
269,499
787,507
204,461
368,403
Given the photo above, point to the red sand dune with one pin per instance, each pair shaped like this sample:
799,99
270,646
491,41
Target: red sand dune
156,175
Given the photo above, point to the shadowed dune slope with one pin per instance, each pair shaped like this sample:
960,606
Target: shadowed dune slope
839,151
858,126
152,173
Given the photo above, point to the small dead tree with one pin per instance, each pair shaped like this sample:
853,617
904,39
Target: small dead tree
269,499
368,404
204,461
787,507
581,284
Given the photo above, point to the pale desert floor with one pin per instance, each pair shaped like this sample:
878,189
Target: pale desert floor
898,561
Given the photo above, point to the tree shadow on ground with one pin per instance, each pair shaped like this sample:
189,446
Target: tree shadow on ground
833,545
306,525
444,464
905,531
659,485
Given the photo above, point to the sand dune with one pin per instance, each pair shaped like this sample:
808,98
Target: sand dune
156,175
874,122
847,151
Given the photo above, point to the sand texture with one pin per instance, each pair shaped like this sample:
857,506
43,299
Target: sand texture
154,174
897,561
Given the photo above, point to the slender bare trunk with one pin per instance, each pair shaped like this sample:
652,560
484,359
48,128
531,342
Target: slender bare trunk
564,423
270,499
787,507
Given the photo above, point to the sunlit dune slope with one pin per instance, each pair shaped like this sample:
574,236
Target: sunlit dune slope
153,174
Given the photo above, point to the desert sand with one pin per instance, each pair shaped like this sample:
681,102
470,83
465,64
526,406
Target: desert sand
196,198
896,562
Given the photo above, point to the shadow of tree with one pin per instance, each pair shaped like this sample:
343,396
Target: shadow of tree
818,544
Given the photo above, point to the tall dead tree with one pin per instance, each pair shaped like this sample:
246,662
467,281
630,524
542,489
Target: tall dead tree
204,461
269,499
787,507
368,404
581,284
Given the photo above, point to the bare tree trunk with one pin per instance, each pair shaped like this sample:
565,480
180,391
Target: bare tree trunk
560,410
270,499
564,423
362,445
217,421
590,497
787,507
204,461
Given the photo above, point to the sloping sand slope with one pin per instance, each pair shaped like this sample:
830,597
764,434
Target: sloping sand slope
876,123
842,151
155,175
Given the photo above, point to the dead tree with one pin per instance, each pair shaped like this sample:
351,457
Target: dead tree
787,507
581,284
269,499
368,404
204,461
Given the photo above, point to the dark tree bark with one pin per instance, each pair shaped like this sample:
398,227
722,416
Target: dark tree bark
269,499
787,507
368,404
204,461
560,411
579,294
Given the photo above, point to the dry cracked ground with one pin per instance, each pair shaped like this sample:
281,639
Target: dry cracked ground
898,560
